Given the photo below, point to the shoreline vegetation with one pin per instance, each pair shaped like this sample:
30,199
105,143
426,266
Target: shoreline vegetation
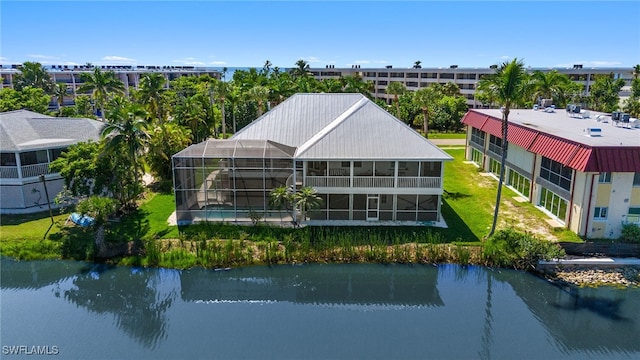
144,237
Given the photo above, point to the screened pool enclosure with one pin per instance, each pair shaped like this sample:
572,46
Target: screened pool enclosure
230,180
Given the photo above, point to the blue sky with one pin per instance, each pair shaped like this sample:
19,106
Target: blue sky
369,33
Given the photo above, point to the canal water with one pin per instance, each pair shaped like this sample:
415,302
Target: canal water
74,310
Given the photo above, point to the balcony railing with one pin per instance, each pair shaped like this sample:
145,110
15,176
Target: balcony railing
419,182
373,182
35,170
8,172
328,181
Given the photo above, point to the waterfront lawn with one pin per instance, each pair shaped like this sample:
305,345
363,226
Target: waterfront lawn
149,221
469,200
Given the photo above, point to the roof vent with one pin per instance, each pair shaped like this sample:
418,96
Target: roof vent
453,66
593,132
577,66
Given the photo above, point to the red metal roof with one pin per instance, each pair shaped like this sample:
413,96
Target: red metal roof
580,158
614,159
569,153
521,136
474,119
493,127
554,148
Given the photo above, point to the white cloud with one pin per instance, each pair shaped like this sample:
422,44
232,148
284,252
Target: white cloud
313,59
188,61
505,57
217,63
119,59
42,57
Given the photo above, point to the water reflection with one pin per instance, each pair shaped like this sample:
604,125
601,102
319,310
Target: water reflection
579,319
426,308
360,285
131,295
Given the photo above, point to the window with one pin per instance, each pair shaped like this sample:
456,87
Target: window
477,136
7,159
600,213
556,173
34,157
636,179
495,145
519,182
476,157
604,178
447,76
553,203
494,166
634,215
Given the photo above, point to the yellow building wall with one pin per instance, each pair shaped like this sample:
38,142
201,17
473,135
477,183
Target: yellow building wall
604,195
634,200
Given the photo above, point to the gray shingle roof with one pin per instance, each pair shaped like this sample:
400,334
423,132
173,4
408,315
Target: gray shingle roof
22,130
340,126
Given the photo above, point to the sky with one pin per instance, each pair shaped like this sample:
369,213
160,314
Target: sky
372,34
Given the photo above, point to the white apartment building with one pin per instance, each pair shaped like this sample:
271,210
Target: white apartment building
466,78
128,74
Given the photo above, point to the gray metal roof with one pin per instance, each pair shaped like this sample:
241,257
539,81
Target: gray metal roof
561,124
23,130
237,148
340,126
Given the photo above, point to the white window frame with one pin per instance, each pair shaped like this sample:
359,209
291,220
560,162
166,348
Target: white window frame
604,178
600,213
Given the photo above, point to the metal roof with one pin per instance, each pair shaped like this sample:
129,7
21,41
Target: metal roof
23,130
340,126
237,148
560,137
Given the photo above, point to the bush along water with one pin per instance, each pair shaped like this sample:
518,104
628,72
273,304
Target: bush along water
511,248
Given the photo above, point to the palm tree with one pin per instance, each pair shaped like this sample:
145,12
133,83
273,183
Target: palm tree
396,88
426,98
355,84
60,91
548,85
508,85
33,74
281,197
127,129
101,85
259,94
301,70
221,89
307,199
152,86
416,65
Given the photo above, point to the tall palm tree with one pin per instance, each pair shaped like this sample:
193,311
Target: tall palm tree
426,98
301,69
396,89
60,91
546,85
259,94
151,87
221,89
233,97
101,84
416,65
508,85
33,74
127,130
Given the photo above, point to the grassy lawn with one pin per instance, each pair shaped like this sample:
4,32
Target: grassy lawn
434,135
470,198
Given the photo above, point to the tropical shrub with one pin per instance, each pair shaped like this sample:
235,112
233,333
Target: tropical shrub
630,233
511,248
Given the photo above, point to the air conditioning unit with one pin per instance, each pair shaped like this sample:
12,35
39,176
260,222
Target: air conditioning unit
594,132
